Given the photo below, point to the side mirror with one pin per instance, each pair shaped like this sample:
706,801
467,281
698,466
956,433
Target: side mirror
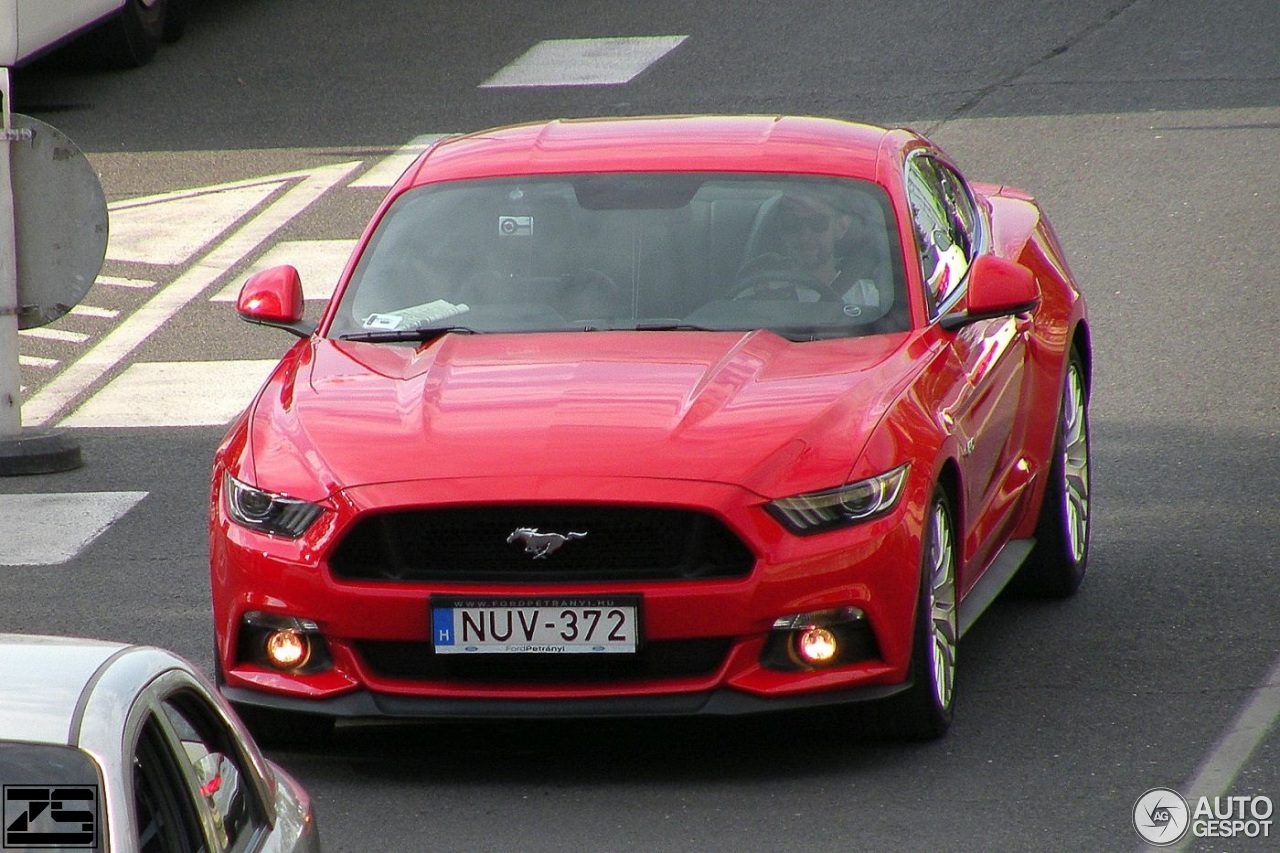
273,297
997,288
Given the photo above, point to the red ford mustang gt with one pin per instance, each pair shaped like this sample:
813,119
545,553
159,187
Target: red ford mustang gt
655,416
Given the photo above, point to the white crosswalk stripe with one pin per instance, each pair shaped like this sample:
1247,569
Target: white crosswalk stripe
165,394
37,361
142,229
48,334
49,529
121,281
584,62
93,311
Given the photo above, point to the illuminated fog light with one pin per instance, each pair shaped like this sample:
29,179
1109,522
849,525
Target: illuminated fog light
288,644
818,639
287,649
817,645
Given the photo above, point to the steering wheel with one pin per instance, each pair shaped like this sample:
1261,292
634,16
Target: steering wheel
598,280
589,293
781,284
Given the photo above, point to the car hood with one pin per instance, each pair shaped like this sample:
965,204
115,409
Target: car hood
750,409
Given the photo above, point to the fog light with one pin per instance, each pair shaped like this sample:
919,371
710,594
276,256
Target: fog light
286,644
287,649
816,639
817,645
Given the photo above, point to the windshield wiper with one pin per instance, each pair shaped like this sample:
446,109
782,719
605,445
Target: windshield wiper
671,326
427,333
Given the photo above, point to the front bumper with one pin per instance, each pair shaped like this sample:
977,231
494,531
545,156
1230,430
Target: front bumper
364,704
873,567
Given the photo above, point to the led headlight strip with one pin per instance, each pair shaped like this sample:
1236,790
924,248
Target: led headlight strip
267,512
815,512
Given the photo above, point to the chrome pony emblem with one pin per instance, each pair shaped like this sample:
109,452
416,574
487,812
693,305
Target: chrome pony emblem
540,544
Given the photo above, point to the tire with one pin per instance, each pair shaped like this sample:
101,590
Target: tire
175,20
274,729
1058,563
924,710
131,39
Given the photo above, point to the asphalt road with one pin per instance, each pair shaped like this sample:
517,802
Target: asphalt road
1150,130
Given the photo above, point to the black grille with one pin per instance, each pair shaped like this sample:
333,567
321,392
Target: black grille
658,660
470,544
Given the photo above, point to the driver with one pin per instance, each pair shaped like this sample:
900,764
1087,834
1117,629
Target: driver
810,230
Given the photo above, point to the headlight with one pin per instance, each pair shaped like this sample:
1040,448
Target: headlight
267,512
818,511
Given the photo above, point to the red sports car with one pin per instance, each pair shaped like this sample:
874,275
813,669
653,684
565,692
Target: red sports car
653,416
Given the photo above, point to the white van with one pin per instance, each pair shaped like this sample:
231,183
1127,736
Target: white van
125,32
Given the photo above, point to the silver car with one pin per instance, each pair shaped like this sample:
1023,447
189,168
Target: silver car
106,746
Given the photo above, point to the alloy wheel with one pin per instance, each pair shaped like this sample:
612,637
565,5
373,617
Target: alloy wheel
942,604
1075,464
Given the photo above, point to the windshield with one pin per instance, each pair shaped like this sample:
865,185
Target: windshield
805,257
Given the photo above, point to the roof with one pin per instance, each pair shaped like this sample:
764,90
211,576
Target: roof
42,680
664,143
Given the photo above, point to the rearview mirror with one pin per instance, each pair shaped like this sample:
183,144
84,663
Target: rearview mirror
998,287
274,297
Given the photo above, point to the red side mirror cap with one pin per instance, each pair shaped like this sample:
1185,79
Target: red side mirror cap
998,287
1001,286
272,297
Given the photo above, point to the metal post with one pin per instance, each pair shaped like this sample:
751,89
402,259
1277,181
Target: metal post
21,451
10,375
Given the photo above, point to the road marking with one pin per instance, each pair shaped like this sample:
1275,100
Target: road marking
48,529
121,281
47,334
1252,724
77,378
171,228
91,311
583,62
173,394
319,263
387,170
37,361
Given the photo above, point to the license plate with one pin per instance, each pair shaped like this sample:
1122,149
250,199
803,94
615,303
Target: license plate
462,626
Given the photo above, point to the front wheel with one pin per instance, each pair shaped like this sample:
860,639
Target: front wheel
1057,565
131,39
175,20
924,711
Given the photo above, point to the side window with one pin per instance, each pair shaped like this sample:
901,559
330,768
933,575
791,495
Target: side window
209,749
964,214
165,819
944,222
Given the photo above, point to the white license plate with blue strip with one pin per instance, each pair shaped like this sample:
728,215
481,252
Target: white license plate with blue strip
461,626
